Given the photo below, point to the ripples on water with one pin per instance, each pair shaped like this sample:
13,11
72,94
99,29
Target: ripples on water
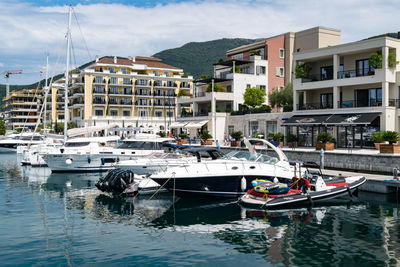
62,219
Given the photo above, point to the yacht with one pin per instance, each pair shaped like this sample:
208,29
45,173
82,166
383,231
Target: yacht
10,142
95,155
229,176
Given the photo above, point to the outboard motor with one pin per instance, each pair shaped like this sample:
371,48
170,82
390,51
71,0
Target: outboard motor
115,181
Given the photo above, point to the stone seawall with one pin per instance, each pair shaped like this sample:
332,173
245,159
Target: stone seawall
375,163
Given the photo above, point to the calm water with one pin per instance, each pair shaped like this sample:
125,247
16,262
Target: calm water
61,219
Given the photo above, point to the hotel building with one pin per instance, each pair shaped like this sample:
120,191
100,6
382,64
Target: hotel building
129,92
345,94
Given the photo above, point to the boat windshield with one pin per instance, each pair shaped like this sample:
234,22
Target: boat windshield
76,144
247,156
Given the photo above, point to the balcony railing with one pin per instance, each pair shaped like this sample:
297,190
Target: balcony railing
126,102
355,73
97,101
143,94
187,114
201,114
310,106
359,103
99,91
317,77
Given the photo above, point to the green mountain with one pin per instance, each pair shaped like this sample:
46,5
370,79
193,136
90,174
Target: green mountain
389,34
197,58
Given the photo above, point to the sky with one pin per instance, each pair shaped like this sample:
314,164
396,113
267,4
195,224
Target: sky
31,29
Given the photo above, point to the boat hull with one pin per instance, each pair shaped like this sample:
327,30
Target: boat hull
303,198
213,186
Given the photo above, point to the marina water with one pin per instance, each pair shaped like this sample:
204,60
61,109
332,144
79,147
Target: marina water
62,219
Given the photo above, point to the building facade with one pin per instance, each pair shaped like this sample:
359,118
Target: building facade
129,92
345,94
21,109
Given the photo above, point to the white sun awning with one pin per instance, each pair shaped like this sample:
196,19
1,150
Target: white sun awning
178,124
89,130
196,124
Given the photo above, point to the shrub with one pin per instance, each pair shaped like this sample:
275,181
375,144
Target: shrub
390,136
325,137
217,88
377,137
275,137
237,135
257,135
392,60
375,60
2,127
302,70
290,138
205,135
183,135
162,134
217,110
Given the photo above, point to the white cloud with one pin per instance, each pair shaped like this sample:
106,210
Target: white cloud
115,29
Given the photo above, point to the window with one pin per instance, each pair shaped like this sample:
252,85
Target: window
99,112
158,113
245,70
272,127
60,116
114,80
158,83
248,85
326,73
326,100
282,53
98,79
113,100
261,87
113,90
280,72
375,97
126,81
143,113
170,84
142,82
170,114
99,89
123,70
231,129
126,101
238,56
363,68
260,70
114,112
111,69
229,88
155,73
126,113
253,127
158,102
166,73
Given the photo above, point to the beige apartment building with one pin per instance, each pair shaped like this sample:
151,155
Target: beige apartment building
129,92
344,94
21,109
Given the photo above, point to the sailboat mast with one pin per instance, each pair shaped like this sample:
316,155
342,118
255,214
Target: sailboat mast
67,73
45,94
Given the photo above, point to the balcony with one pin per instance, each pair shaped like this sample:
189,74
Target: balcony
122,102
142,93
360,103
312,106
147,104
98,101
355,73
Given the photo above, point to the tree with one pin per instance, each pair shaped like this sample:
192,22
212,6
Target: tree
282,98
2,127
217,88
254,97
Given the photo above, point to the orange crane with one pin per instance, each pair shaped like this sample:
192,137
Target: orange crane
7,74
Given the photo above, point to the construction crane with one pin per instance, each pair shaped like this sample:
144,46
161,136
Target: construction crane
7,74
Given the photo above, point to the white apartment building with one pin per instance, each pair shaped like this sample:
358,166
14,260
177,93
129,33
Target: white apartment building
344,94
213,98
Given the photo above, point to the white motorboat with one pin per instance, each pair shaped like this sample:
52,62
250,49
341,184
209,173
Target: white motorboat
93,155
160,161
230,176
12,141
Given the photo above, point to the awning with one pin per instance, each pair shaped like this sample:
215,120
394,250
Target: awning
195,124
89,130
299,120
178,124
352,119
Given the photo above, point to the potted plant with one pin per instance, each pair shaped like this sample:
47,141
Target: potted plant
391,137
183,137
302,71
276,139
325,141
291,140
237,136
377,137
205,136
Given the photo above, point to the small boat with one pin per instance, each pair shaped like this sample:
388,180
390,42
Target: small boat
301,191
12,141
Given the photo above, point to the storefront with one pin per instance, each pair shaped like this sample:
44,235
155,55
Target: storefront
349,130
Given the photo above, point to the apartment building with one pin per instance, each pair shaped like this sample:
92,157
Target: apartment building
21,109
129,92
265,64
342,92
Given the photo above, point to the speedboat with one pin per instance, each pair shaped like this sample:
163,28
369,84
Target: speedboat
94,155
303,190
229,176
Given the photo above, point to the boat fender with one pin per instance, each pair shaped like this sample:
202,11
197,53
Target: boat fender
89,160
243,184
103,161
117,159
68,161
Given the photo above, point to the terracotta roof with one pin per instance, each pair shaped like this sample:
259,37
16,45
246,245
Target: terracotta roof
151,62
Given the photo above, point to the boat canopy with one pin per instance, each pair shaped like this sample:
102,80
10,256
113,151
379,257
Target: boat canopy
196,124
178,124
89,130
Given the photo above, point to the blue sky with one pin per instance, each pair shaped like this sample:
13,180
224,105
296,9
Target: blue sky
30,29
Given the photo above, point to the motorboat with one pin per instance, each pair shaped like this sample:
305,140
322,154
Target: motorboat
131,176
314,188
158,161
229,176
10,142
94,155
